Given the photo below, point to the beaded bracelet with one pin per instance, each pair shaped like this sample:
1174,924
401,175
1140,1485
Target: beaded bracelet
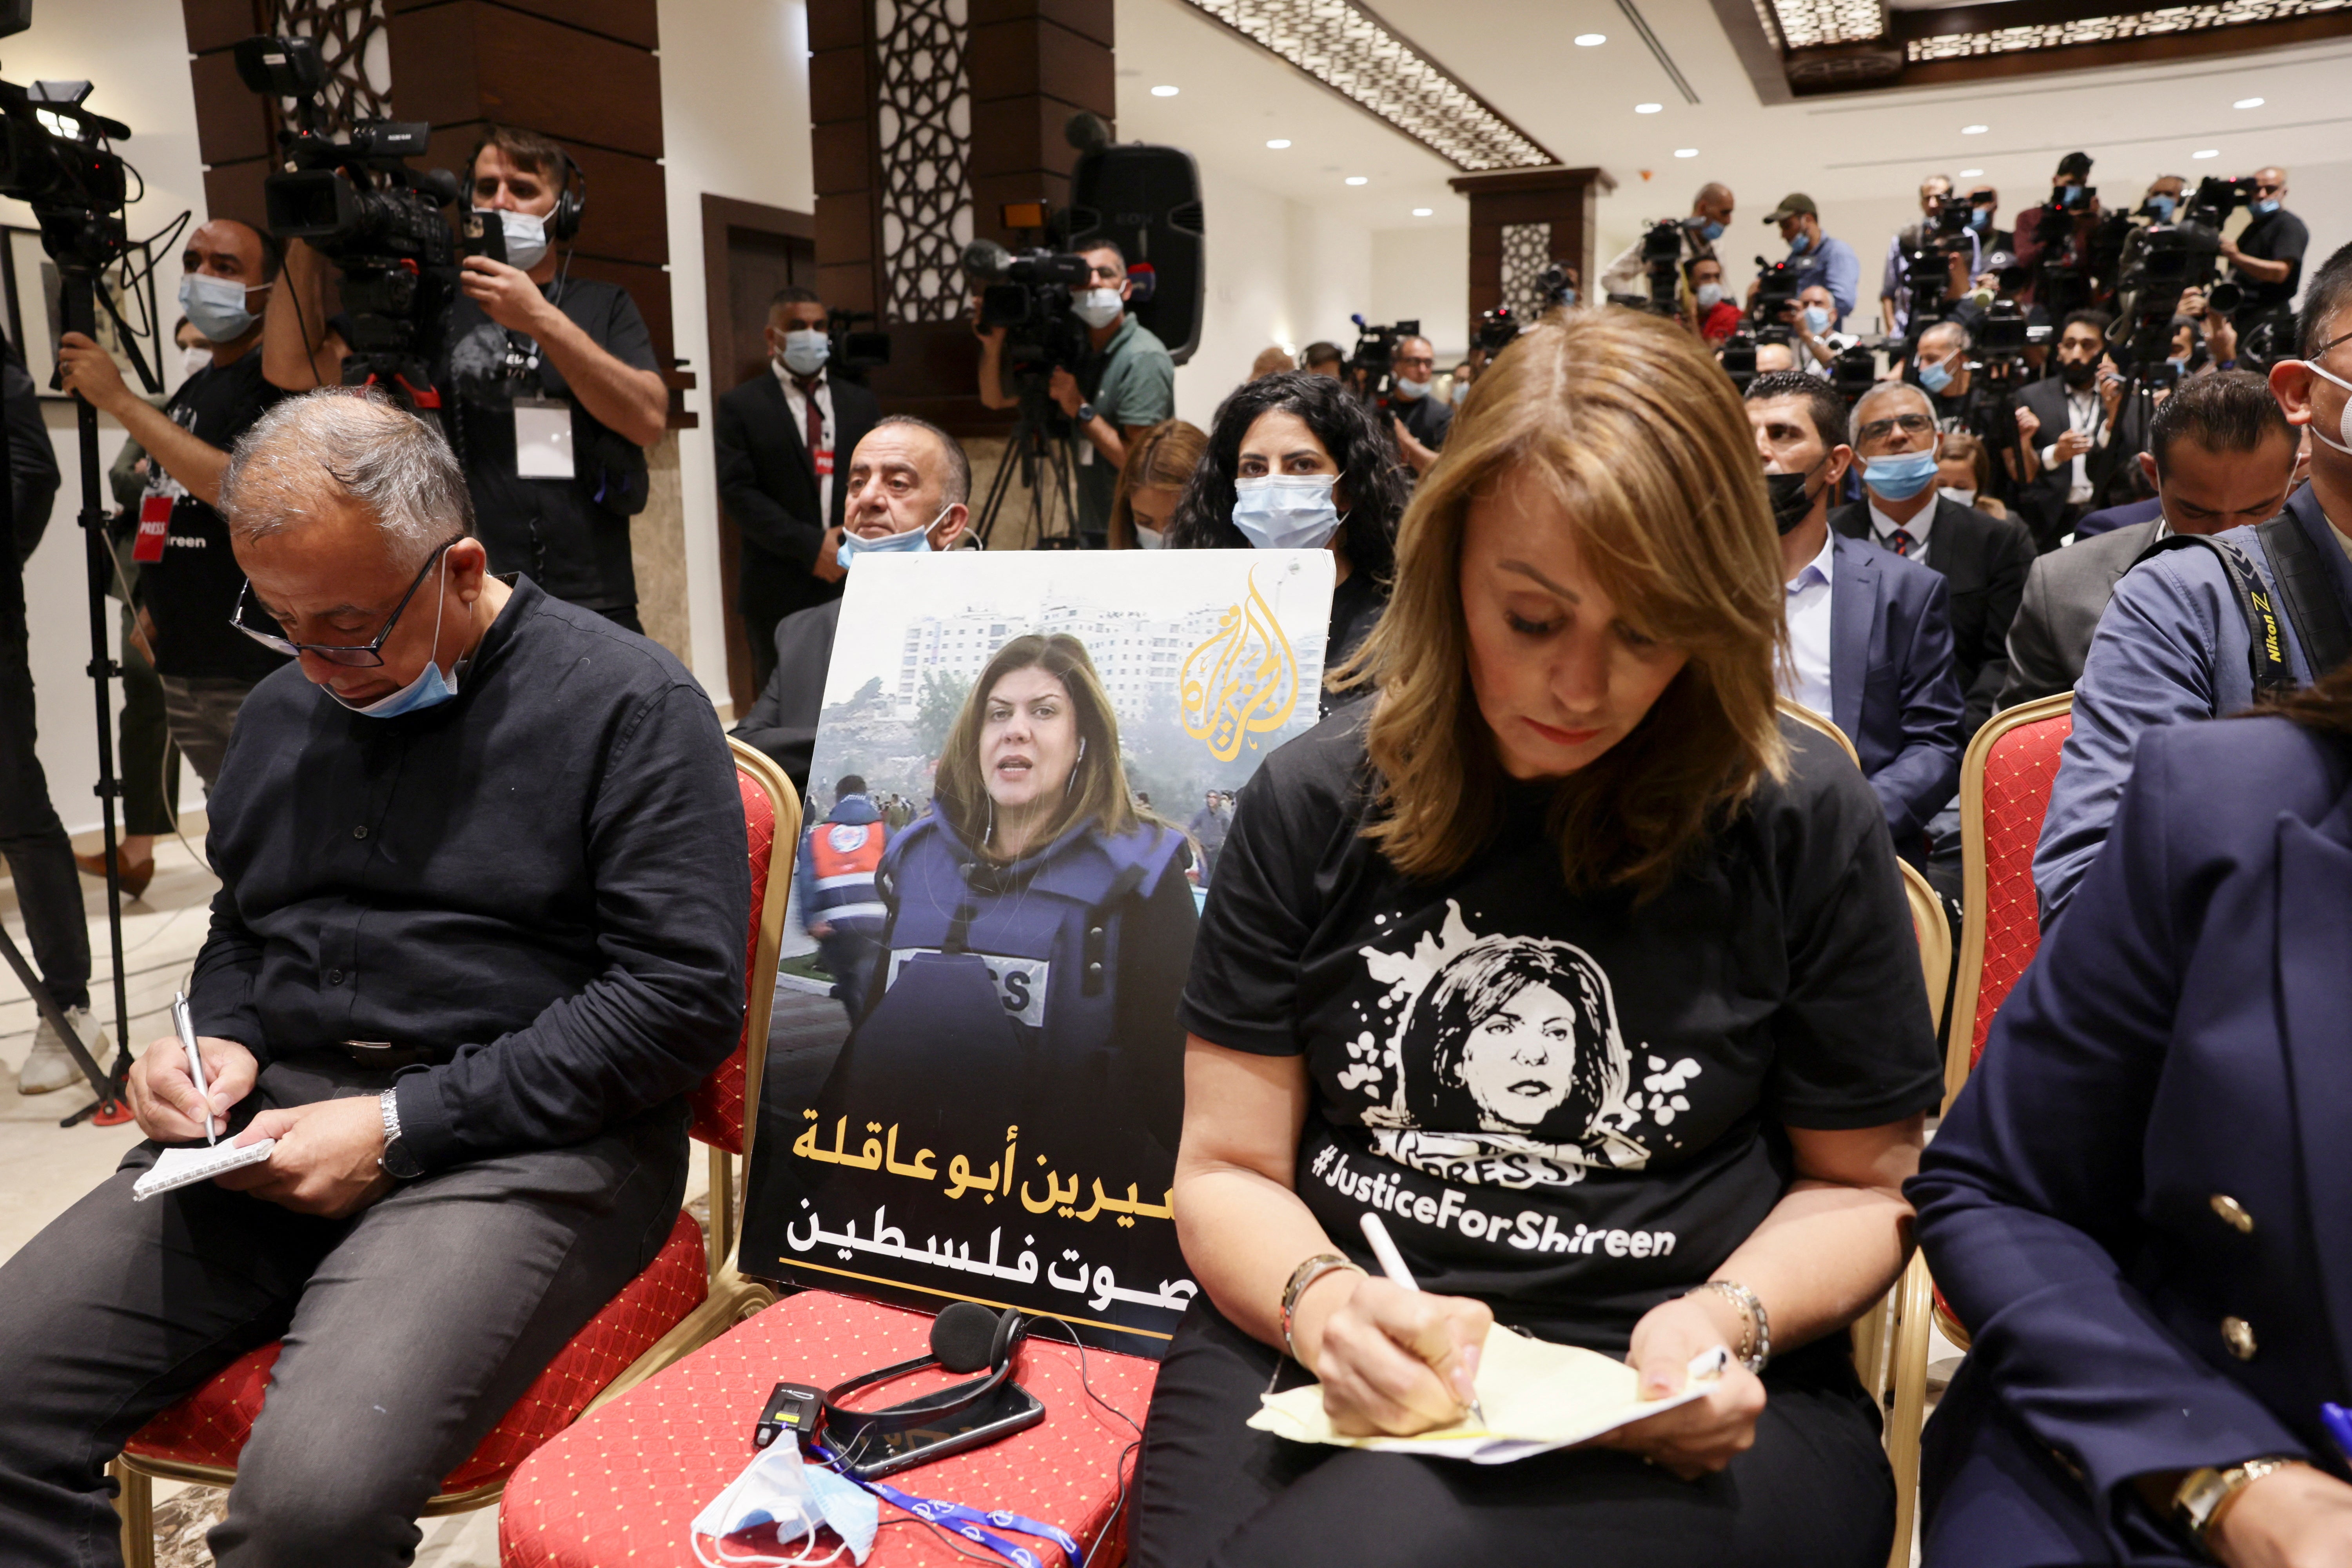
1755,1343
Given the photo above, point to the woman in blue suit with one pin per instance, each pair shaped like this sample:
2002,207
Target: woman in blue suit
2142,1203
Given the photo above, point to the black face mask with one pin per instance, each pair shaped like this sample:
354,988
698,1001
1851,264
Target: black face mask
1790,502
2078,374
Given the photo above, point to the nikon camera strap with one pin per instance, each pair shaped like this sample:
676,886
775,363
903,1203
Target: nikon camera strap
2265,649
2307,593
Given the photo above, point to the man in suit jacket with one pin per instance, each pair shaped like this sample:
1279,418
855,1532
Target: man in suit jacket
2141,1203
2076,431
2220,455
2109,520
1983,559
1870,638
905,475
778,435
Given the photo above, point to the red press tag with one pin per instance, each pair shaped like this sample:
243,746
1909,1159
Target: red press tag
154,527
824,461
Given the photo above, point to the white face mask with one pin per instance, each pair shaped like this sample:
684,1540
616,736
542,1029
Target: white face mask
1954,492
1410,391
216,306
2344,423
1710,295
1150,538
799,1498
526,237
1287,511
196,357
1098,308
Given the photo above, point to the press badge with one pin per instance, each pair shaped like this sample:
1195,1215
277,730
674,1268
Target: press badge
1020,982
154,528
542,439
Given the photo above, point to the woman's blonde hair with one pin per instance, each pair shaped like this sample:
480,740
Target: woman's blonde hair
1097,785
1626,422
1165,457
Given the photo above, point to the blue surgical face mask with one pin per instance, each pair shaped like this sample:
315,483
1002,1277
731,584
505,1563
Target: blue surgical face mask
799,1498
215,307
2262,208
1410,391
1981,219
2162,206
1098,308
806,351
1711,231
1287,511
1817,320
913,541
1935,378
1901,476
1710,295
1801,244
431,688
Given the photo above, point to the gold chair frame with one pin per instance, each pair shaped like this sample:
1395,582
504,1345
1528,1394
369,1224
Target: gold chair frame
732,1298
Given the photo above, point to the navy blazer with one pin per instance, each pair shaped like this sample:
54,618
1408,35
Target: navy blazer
2141,1205
1893,687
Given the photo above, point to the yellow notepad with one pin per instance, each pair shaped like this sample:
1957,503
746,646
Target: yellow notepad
1538,1396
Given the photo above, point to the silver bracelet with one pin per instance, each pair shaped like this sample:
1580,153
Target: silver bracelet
1756,1345
1306,1274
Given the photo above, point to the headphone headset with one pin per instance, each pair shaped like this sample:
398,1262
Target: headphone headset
965,1337
563,222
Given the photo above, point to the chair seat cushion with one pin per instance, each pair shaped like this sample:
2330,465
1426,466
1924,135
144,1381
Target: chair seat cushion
625,1485
210,1427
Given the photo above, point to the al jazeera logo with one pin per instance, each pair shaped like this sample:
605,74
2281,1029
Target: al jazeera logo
1241,683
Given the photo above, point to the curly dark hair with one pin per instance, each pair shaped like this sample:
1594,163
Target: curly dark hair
1369,477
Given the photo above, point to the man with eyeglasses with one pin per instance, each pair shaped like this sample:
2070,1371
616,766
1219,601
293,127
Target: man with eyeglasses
2267,254
2177,642
479,930
1420,429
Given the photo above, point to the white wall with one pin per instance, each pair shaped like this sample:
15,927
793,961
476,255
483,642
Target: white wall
1424,275
136,53
735,123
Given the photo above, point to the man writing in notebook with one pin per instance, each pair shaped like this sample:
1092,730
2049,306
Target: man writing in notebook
481,928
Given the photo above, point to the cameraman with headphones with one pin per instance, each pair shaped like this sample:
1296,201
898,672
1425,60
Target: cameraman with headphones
550,390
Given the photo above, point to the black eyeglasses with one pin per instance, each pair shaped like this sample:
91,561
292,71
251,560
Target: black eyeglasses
357,657
1909,424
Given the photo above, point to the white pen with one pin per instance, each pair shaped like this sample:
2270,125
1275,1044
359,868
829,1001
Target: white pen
1392,1265
186,1025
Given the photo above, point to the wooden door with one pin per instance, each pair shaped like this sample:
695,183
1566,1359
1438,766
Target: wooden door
748,251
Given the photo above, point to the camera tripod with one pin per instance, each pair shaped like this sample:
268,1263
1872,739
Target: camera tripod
1035,455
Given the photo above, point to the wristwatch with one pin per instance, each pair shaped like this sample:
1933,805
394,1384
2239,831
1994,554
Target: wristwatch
396,1161
2205,1494
1085,415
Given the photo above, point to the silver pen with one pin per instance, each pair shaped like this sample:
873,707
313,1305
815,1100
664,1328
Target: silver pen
185,1023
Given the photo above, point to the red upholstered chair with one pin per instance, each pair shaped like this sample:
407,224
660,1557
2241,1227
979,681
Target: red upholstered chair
689,1295
2005,782
625,1485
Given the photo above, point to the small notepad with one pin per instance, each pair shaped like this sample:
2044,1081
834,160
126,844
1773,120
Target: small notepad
179,1167
1538,1396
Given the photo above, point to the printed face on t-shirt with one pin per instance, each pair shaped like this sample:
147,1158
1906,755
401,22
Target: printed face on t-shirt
1516,1062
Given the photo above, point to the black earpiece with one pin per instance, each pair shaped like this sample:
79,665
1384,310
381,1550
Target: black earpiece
966,1337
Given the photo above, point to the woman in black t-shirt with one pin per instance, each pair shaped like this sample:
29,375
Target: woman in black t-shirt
1596,983
1296,461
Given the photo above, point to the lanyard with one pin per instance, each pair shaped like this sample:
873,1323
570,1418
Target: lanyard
973,1525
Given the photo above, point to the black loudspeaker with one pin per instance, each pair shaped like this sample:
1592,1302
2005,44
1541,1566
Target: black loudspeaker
1148,201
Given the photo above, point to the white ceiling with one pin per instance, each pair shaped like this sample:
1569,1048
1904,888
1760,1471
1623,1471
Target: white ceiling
1868,150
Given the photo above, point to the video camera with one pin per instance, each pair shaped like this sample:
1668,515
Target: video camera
74,183
1662,257
1778,284
854,350
1372,365
1027,293
358,204
1498,329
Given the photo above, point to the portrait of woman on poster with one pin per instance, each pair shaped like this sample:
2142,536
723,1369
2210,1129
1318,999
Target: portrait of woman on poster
1039,923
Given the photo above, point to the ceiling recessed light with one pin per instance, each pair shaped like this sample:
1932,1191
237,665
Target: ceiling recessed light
1423,212
2208,152
2247,103
1163,92
1972,174
1279,142
1648,108
1591,40
1685,152
1357,180
1974,129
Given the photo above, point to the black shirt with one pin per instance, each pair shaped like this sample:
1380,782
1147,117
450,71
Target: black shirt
191,591
1567,1106
572,535
1426,418
541,883
2274,236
